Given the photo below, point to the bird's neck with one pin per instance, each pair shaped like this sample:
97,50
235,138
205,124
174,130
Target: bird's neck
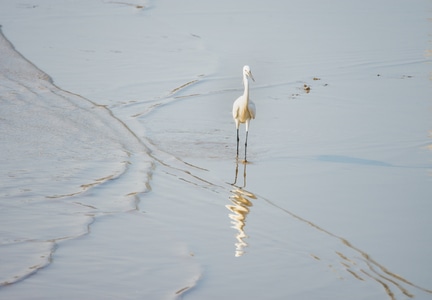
246,88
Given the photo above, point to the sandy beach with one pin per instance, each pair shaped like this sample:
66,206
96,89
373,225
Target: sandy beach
119,170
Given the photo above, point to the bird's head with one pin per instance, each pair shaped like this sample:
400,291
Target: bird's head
247,72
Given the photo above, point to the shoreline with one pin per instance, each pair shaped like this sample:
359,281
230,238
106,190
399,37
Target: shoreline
343,164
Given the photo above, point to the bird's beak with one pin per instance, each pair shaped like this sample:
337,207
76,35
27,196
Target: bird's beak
250,75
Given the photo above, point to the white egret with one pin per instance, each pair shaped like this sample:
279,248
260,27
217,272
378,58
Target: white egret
243,108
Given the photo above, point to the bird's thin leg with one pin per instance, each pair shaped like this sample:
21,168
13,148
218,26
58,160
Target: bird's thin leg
238,140
244,175
246,145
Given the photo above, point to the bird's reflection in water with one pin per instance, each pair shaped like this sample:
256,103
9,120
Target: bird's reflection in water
240,207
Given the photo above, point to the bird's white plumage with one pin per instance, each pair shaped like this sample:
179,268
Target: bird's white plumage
243,108
242,112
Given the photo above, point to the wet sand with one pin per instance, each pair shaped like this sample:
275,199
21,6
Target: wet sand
334,201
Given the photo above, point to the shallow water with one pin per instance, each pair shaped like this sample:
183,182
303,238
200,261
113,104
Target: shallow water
62,159
151,202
